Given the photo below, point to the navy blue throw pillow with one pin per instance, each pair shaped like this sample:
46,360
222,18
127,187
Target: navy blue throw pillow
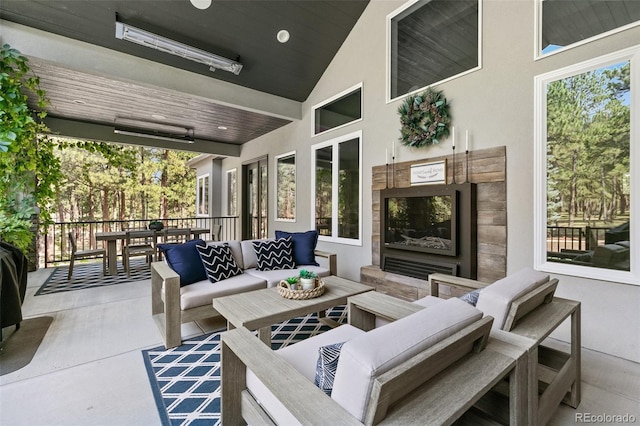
326,366
304,246
274,255
218,261
185,261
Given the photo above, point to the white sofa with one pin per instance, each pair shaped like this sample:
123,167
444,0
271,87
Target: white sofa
173,305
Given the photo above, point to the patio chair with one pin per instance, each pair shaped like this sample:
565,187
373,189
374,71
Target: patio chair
415,370
215,232
172,236
83,254
523,304
137,243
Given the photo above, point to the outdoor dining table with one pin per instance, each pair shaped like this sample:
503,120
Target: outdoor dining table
111,237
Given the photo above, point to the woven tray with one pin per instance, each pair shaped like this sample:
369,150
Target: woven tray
286,292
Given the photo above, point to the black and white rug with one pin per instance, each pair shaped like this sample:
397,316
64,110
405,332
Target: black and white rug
186,380
89,275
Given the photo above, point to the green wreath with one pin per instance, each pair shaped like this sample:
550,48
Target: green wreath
424,118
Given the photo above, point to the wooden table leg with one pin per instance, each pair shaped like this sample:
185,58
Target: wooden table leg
112,257
264,334
576,344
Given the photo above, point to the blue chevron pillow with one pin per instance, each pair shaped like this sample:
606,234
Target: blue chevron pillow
218,262
273,255
326,366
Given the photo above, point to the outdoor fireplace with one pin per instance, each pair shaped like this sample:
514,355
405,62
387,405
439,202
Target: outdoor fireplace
427,229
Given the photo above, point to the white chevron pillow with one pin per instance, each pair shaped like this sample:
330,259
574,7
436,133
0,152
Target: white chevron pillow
218,262
274,254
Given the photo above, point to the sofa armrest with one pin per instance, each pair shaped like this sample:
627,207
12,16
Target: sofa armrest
435,280
166,311
306,402
331,258
365,307
161,274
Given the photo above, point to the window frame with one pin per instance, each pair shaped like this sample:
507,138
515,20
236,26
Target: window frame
335,143
327,101
632,276
389,52
200,180
538,54
233,172
276,183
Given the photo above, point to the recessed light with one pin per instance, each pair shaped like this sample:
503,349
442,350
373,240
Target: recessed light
283,36
158,117
201,4
222,127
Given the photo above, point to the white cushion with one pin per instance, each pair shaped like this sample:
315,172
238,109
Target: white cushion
303,356
274,277
495,299
364,358
203,292
428,301
425,301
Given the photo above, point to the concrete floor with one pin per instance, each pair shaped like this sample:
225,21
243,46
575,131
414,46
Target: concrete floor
89,368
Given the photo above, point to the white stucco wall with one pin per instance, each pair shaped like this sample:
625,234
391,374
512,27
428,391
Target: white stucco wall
496,105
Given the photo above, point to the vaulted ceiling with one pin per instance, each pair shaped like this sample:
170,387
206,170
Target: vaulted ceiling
104,82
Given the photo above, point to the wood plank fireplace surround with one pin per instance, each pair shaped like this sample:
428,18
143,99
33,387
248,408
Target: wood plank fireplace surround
485,186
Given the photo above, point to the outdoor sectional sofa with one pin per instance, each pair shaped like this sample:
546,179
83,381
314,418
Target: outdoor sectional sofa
173,304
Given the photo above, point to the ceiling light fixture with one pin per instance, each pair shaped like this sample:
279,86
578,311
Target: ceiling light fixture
163,44
283,36
201,4
188,138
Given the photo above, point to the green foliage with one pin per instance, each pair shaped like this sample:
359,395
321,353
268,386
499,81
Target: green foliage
588,146
306,274
424,118
30,170
293,280
110,182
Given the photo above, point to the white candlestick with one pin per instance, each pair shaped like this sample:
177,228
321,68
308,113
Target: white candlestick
393,149
386,156
467,140
453,137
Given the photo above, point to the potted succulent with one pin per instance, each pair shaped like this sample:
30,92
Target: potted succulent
308,279
293,282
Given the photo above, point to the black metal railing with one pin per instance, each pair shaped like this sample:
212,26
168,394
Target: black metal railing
572,238
55,246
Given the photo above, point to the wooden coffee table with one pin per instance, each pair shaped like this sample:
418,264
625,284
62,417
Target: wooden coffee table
259,309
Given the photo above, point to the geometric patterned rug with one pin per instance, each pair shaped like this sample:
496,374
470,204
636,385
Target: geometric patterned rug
186,380
89,275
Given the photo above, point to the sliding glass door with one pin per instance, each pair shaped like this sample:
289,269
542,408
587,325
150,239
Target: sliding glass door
255,200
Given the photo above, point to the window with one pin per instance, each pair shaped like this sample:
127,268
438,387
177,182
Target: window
232,192
286,187
203,195
340,110
337,185
563,24
586,150
431,41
